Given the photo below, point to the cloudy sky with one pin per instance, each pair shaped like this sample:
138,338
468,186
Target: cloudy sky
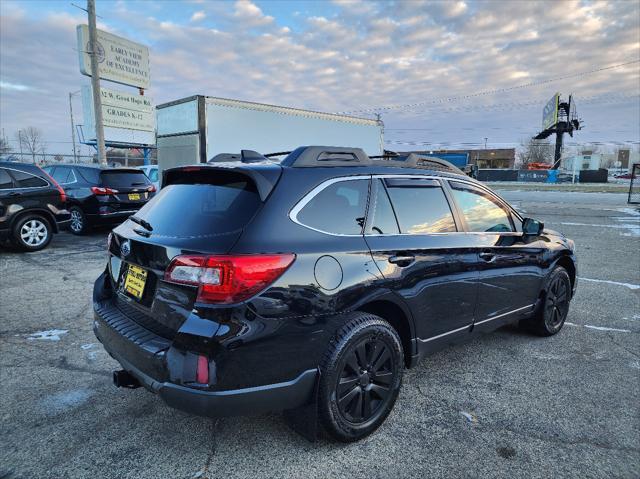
441,74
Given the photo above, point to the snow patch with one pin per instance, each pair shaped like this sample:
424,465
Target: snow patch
49,335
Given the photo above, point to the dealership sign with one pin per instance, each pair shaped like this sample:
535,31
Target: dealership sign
121,110
120,60
550,112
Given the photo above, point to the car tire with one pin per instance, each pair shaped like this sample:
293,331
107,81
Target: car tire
32,232
554,307
78,225
361,375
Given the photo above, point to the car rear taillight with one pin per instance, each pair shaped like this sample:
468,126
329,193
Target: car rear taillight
227,279
99,190
151,189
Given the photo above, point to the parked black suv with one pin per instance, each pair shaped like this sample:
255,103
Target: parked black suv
99,196
309,284
32,206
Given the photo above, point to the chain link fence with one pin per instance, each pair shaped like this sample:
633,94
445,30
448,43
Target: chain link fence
44,159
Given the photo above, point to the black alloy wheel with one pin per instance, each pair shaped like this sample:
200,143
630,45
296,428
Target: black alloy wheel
365,381
361,377
556,303
552,313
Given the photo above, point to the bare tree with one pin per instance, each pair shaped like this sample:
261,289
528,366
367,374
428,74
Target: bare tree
31,141
534,151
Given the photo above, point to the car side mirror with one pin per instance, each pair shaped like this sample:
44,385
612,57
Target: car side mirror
532,227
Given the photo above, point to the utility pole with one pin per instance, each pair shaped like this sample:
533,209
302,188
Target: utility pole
95,82
485,142
20,143
73,133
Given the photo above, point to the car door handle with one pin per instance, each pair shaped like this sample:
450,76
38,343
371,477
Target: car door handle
487,256
15,193
402,260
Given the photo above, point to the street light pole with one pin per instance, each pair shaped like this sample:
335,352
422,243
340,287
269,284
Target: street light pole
95,82
485,142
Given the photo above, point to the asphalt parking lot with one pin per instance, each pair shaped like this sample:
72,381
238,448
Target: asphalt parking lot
505,405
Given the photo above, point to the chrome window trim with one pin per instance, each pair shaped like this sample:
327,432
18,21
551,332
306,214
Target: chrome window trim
475,324
293,214
49,185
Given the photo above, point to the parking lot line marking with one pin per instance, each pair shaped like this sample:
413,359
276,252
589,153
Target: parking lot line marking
617,283
599,328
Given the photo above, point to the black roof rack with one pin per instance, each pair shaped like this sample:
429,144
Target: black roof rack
320,156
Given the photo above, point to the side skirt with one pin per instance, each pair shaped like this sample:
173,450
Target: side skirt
470,331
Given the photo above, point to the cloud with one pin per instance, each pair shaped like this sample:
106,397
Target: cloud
351,56
14,86
198,16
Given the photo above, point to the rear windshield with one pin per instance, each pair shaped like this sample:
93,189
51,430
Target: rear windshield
124,179
225,204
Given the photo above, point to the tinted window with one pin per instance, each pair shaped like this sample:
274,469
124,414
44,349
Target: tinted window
5,180
383,220
124,179
421,207
27,180
338,209
61,174
153,174
90,175
480,210
189,210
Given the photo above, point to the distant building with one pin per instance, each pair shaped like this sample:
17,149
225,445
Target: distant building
621,160
502,158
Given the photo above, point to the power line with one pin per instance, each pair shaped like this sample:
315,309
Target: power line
488,92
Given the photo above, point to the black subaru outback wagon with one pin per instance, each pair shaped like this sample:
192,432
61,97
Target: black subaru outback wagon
253,285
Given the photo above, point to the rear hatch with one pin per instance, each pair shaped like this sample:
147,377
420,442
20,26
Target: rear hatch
133,187
199,212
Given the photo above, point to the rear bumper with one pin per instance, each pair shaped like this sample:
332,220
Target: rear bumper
163,368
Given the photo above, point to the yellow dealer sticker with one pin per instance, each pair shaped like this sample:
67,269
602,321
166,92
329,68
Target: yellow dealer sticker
135,281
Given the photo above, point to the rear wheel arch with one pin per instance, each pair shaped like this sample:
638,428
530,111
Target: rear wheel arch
40,212
398,319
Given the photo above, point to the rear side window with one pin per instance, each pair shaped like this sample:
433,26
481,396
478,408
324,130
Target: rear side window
482,212
63,174
421,206
90,175
153,174
383,220
5,180
225,204
124,179
338,209
27,180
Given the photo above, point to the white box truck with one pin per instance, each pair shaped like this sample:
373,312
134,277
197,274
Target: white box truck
197,128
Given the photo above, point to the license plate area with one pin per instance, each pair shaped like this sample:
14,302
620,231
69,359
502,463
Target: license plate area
134,196
135,280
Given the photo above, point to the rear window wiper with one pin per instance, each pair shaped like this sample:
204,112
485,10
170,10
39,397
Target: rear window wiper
145,224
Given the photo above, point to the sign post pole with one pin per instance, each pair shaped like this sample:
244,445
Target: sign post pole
95,82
